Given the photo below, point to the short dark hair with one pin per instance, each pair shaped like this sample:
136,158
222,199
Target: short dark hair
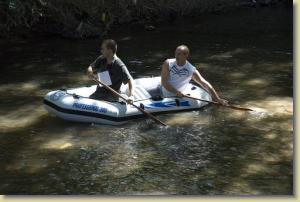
111,44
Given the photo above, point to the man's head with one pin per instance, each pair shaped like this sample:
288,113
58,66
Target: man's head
108,48
182,53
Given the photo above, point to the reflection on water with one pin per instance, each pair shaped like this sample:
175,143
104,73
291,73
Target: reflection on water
211,151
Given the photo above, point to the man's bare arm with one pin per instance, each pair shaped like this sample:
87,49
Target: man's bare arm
130,87
208,87
90,72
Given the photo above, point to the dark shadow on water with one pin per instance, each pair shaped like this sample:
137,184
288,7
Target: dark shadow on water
143,159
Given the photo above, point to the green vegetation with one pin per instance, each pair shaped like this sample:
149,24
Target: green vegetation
93,18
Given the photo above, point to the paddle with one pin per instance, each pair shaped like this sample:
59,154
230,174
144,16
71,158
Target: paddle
139,108
216,103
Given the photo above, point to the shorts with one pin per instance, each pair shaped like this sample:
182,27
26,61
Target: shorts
103,94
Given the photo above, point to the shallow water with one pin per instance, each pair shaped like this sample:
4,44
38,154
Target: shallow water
246,55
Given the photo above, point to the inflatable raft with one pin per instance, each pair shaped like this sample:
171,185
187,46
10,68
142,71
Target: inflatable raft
74,104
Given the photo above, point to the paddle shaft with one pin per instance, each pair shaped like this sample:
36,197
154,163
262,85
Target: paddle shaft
125,99
219,104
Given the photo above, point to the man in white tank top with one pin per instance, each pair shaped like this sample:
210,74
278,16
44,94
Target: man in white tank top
178,72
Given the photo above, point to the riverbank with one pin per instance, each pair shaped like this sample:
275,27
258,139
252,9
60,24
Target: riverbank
77,20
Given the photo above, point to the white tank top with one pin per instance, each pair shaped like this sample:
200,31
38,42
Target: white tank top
180,76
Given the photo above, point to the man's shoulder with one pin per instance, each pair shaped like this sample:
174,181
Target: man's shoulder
100,58
170,60
190,65
116,58
98,62
118,61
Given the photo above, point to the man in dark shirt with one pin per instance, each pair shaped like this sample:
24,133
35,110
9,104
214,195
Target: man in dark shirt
111,71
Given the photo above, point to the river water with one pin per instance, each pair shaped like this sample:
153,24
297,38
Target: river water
246,55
